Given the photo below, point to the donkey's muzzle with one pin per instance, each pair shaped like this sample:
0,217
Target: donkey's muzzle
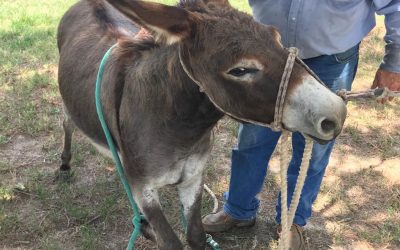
331,125
314,110
327,128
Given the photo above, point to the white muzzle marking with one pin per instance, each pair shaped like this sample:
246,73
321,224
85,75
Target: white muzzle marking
313,109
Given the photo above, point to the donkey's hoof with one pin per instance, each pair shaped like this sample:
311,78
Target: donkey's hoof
147,231
65,167
64,175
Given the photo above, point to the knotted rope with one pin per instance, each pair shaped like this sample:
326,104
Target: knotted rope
137,217
277,124
287,215
378,94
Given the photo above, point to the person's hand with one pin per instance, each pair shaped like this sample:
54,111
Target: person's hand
384,78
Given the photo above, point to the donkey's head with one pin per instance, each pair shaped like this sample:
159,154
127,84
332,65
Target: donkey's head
239,64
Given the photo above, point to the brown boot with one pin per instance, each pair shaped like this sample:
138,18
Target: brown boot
221,221
296,236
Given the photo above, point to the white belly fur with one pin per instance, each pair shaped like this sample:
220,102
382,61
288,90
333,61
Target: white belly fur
184,170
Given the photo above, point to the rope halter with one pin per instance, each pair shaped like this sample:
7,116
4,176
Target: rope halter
277,124
287,215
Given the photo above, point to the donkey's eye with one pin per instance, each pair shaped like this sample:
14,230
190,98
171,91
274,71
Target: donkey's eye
245,70
238,72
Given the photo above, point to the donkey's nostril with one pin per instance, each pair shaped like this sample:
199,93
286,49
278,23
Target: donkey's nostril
328,125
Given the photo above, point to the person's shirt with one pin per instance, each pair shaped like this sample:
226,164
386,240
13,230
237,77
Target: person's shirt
326,27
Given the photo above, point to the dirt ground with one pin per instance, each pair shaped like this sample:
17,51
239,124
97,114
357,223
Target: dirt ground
358,207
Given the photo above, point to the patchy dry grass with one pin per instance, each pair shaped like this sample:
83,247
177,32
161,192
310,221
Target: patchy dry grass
358,207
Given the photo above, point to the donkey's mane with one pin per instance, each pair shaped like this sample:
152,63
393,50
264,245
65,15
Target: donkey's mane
215,8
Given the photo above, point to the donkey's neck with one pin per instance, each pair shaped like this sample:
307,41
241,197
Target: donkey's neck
162,90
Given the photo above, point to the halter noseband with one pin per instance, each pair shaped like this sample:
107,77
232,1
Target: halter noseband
276,125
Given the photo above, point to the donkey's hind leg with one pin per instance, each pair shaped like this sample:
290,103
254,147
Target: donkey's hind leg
147,199
190,192
69,127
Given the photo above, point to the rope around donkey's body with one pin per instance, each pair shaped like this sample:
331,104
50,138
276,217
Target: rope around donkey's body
137,217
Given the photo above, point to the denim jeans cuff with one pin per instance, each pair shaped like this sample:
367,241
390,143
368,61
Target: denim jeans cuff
248,216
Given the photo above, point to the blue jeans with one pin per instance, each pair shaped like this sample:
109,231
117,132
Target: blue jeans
256,144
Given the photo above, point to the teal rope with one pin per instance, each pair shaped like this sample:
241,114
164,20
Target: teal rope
137,217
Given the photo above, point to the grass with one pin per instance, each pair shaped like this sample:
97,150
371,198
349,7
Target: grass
358,206
28,63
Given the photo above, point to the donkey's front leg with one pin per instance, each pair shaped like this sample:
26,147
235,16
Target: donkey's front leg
190,192
147,199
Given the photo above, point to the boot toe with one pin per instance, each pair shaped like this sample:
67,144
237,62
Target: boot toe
222,221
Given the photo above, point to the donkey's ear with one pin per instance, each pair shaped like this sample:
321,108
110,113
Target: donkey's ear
168,24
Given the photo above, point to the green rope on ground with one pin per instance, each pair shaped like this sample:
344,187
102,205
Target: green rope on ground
137,217
212,243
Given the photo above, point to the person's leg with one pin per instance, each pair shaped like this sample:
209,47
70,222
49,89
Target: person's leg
249,165
248,169
319,161
337,72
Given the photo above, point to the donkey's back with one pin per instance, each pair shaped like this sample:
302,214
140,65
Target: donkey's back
82,41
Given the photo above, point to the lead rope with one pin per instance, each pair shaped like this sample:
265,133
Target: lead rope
284,156
377,94
287,215
137,217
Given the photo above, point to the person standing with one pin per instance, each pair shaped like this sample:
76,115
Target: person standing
327,34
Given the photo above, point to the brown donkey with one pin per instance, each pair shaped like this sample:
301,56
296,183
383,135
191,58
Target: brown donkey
160,119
